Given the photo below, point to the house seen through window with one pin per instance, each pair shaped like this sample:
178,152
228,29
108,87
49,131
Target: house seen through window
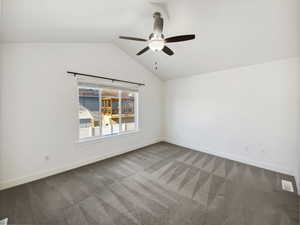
106,111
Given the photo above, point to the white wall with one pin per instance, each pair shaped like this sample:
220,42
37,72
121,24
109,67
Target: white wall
1,122
38,110
250,114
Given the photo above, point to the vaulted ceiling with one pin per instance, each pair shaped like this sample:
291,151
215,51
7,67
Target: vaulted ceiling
229,33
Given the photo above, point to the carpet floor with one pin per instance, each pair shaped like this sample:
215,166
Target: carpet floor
161,184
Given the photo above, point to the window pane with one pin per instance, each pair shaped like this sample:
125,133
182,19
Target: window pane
89,116
128,110
110,111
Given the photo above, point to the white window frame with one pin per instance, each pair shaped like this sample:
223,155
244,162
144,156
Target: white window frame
120,133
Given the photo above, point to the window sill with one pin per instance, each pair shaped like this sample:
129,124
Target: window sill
100,138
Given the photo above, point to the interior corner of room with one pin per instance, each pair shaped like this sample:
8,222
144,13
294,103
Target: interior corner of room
102,113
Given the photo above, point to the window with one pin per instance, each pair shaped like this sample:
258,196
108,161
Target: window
106,111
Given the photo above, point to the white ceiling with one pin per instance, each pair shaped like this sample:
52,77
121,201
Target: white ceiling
229,33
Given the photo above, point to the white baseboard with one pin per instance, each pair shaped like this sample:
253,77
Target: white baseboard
26,179
225,155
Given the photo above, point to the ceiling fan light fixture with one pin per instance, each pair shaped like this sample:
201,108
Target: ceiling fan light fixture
156,45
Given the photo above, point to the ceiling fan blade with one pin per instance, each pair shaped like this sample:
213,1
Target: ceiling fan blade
180,38
167,50
143,50
132,38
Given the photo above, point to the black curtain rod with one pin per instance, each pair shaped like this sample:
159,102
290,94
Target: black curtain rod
105,78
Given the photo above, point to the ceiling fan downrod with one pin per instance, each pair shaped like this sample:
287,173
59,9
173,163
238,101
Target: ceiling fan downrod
158,23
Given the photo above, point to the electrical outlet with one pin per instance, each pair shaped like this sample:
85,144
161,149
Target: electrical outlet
287,185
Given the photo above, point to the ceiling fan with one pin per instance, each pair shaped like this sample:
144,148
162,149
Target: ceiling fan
157,41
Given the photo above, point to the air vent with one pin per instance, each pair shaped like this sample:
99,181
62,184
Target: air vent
287,185
3,222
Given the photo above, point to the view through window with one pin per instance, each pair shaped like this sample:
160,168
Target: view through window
106,111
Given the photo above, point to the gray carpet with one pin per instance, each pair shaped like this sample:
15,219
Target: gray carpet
161,184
